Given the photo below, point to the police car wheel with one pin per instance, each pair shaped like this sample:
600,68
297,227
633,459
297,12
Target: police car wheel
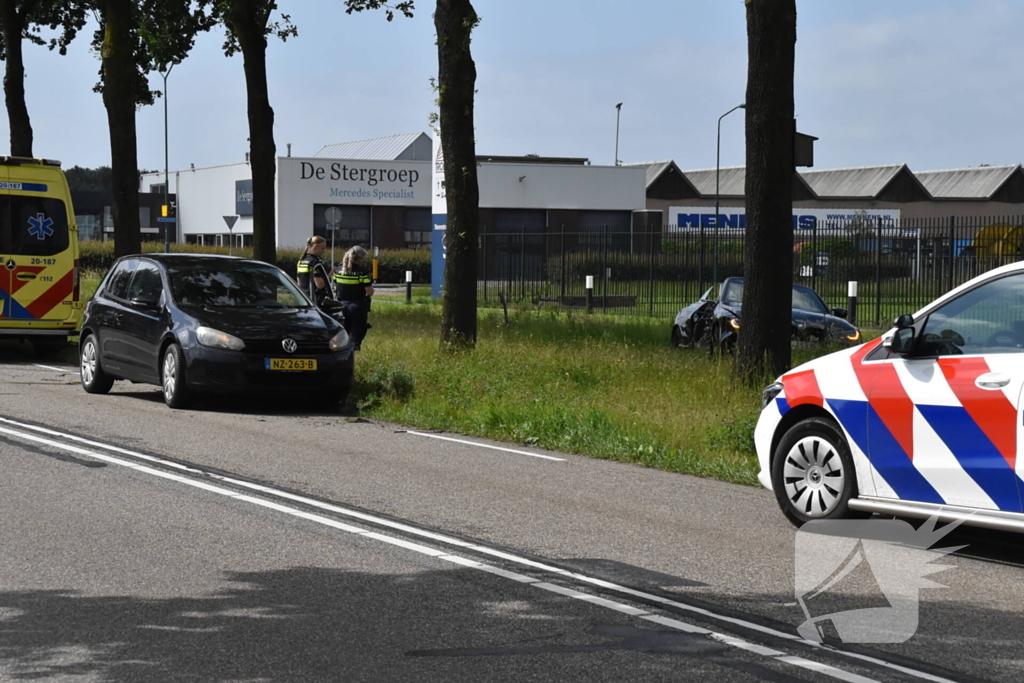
812,472
172,378
94,380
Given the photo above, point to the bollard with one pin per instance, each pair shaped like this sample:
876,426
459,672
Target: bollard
408,286
851,301
590,293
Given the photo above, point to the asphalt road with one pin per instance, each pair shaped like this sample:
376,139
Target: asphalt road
118,573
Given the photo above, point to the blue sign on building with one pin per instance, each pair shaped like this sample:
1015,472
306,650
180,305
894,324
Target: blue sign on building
243,197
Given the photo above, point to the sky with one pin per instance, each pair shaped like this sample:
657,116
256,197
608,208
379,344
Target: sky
935,84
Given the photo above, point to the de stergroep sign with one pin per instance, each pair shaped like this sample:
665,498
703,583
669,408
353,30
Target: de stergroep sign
377,182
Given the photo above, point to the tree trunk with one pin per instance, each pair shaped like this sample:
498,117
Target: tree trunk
251,34
13,23
119,74
454,21
764,343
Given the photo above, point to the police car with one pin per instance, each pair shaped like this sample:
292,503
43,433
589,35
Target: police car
926,420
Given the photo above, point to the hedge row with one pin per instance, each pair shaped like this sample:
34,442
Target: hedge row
99,256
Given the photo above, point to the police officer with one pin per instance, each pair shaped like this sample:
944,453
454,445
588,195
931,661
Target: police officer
354,287
312,273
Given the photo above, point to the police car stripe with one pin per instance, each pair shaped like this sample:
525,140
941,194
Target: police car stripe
991,410
890,400
887,456
802,388
937,463
975,453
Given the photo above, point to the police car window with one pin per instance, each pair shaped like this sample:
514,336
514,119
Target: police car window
146,284
117,284
34,226
987,319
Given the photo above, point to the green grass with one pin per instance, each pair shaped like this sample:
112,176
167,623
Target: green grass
608,387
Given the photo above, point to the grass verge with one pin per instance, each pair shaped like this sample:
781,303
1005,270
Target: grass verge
600,386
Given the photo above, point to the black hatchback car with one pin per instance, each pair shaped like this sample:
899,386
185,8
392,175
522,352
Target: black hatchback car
715,321
198,324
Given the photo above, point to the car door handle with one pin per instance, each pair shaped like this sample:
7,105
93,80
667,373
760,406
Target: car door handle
992,380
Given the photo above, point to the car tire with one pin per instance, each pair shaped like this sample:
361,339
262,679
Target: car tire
94,380
172,379
677,338
812,472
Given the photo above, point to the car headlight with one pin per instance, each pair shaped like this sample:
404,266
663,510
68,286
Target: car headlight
734,323
769,394
215,339
339,341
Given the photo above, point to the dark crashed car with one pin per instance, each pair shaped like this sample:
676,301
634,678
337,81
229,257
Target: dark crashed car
715,322
197,324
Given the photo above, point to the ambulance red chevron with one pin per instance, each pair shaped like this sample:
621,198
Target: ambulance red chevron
926,420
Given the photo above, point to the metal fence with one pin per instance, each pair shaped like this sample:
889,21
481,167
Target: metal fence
899,267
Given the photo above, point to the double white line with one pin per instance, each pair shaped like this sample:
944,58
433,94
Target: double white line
60,440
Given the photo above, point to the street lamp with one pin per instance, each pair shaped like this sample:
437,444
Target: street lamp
167,225
718,157
618,114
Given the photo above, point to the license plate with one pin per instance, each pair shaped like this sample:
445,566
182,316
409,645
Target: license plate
291,364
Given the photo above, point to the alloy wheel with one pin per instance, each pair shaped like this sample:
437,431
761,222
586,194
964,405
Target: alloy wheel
814,477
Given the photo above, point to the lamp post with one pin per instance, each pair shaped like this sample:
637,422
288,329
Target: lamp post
718,157
618,114
167,225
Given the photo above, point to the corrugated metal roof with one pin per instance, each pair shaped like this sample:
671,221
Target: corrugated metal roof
967,183
379,149
732,181
867,181
656,169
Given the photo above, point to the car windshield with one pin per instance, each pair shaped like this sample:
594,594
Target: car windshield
242,284
805,299
733,294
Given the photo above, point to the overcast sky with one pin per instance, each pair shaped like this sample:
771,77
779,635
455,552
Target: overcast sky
935,84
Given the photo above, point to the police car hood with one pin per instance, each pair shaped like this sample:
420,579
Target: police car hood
832,360
266,322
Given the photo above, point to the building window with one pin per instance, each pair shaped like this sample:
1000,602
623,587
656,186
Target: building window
417,227
353,229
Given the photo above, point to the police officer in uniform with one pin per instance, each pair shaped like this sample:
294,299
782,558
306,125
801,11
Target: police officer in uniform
353,286
312,273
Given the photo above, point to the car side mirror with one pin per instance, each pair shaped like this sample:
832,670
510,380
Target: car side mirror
332,306
840,312
902,340
143,302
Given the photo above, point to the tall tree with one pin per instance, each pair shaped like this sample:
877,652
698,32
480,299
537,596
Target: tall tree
454,21
764,346
248,24
133,39
21,20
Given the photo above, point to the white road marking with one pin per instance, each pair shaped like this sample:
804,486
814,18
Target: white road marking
666,621
50,367
483,445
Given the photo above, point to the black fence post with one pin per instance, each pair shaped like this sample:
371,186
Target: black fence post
604,265
851,301
814,256
878,273
522,266
483,248
952,250
561,300
650,276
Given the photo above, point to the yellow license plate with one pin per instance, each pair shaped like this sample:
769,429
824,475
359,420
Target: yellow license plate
291,364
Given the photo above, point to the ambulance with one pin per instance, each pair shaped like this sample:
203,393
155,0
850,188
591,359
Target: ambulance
39,266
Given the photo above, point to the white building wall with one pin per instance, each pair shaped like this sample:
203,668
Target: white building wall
206,195
305,182
537,186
